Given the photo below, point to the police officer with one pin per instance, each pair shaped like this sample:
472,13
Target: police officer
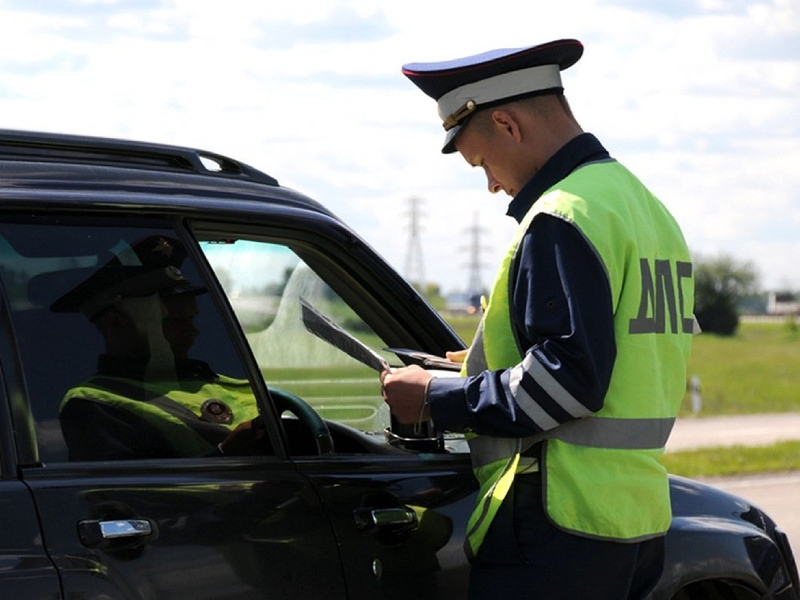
148,399
577,370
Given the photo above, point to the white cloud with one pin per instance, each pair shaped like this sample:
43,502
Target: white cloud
701,99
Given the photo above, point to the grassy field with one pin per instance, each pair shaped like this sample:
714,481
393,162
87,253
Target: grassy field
734,460
755,371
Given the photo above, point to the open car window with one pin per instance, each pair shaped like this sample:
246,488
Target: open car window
267,283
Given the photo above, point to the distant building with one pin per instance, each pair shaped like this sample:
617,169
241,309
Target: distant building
783,303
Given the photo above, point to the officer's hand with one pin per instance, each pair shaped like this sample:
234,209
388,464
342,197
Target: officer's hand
404,391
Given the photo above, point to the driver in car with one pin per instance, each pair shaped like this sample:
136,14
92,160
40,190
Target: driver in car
148,399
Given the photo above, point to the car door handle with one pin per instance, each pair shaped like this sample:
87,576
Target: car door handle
98,533
371,519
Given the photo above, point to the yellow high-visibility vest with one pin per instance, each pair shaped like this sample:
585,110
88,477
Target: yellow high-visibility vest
601,473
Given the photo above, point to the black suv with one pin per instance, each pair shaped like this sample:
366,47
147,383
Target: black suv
331,500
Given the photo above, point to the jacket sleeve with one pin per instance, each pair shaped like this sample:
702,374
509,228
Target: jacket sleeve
561,310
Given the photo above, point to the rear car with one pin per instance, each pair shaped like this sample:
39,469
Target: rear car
340,502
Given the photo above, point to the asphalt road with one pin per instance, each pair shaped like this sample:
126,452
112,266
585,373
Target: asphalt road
776,493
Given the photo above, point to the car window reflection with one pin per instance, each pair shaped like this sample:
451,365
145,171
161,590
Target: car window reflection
116,347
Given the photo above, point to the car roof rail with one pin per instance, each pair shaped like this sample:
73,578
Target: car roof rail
89,150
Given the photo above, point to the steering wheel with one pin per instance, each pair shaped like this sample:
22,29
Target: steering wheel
287,401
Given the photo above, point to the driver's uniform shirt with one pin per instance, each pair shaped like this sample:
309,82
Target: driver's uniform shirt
119,414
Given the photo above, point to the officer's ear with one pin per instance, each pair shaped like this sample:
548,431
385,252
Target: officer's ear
506,122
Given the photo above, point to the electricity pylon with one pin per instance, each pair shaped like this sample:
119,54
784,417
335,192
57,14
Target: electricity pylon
414,269
475,287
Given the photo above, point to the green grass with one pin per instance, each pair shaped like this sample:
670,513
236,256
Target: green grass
463,325
755,371
734,460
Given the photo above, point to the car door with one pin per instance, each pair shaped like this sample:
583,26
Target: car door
399,522
197,527
26,570
399,498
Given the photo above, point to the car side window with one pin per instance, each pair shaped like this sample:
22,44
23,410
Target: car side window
268,284
124,353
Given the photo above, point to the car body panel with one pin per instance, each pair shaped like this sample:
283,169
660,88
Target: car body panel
239,530
387,560
716,535
26,570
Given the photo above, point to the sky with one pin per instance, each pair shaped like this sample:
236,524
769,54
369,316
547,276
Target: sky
700,98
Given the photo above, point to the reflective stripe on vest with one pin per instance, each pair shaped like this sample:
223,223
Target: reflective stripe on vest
593,432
